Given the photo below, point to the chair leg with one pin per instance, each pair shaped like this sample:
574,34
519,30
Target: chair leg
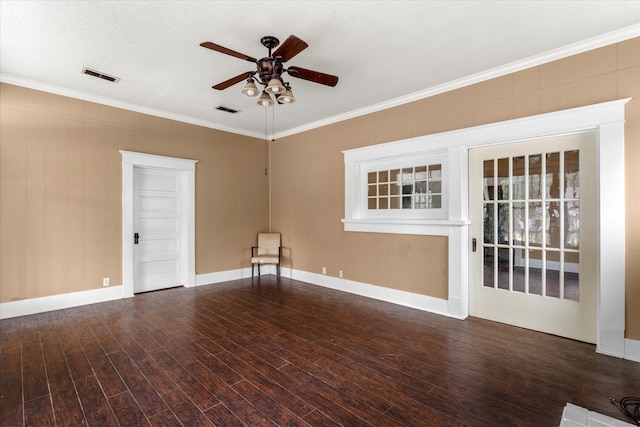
258,271
252,267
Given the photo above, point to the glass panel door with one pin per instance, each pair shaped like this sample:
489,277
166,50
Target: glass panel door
532,213
531,226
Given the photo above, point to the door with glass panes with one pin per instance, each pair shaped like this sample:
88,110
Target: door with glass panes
533,225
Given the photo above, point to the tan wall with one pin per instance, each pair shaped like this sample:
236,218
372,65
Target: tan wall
308,170
60,181
60,191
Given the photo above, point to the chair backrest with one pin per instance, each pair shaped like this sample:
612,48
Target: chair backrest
268,243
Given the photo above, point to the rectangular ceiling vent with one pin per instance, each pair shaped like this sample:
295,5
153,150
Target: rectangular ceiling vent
226,109
100,75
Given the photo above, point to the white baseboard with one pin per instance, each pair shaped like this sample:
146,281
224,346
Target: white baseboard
407,299
229,275
611,342
58,302
421,302
222,276
632,349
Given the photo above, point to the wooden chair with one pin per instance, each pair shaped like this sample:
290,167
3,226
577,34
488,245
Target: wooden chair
267,252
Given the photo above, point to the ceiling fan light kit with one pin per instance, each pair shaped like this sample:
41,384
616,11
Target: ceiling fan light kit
250,89
269,71
275,86
265,100
287,97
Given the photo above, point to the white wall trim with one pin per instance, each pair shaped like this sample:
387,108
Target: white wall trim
616,36
451,308
407,299
223,276
606,118
611,238
632,349
90,97
59,302
186,167
427,227
439,306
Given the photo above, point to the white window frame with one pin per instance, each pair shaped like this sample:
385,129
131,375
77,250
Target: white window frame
400,163
395,155
607,119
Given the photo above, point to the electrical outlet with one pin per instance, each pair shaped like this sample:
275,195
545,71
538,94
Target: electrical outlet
340,273
105,281
324,270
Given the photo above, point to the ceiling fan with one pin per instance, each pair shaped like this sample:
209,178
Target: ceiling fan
270,69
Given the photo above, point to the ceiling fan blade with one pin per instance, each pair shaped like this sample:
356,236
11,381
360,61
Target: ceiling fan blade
290,48
233,80
224,50
313,76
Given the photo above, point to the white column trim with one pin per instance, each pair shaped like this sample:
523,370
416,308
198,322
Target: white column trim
611,238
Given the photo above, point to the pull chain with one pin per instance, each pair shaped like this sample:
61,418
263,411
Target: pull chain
273,123
266,145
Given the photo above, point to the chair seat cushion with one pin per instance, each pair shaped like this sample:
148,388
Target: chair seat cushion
265,259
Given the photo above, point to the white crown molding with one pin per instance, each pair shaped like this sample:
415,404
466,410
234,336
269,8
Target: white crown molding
553,55
58,90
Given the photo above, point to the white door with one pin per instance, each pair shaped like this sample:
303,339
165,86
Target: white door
533,221
156,221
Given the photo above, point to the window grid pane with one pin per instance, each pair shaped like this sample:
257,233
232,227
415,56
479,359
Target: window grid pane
531,226
418,187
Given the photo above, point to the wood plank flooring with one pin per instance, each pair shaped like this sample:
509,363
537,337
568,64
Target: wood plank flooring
291,354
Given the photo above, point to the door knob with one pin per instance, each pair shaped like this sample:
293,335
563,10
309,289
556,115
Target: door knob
136,236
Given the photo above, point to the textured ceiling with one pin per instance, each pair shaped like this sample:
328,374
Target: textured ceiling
385,52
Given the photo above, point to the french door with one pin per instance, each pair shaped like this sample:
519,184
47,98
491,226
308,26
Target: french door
533,225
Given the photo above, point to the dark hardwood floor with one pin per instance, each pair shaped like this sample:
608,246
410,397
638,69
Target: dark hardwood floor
291,354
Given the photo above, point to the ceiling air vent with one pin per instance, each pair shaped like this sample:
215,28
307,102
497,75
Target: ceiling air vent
100,75
226,110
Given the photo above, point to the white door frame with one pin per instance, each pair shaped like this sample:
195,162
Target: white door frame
187,252
575,319
607,119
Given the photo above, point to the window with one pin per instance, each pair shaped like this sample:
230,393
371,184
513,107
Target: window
406,188
418,187
403,187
